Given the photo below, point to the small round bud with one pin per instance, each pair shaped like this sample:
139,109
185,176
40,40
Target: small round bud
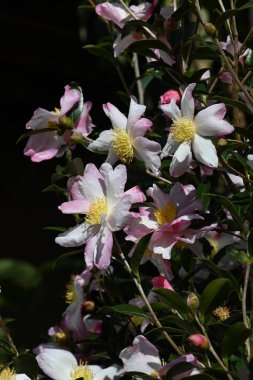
210,29
193,302
89,306
66,122
222,142
198,340
167,97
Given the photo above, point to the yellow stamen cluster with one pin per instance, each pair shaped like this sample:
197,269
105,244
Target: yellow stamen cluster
222,313
136,320
182,129
60,337
82,371
121,145
166,215
7,374
214,246
70,295
97,208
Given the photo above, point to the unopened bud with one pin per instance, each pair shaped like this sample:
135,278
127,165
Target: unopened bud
222,142
66,122
89,306
193,302
198,340
167,97
210,29
75,138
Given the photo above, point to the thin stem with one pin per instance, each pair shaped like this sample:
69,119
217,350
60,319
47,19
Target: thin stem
174,5
92,3
244,304
143,296
227,22
158,177
9,338
136,67
136,18
246,76
245,40
212,350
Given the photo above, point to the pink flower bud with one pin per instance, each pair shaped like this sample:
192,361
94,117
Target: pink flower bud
167,97
161,282
198,340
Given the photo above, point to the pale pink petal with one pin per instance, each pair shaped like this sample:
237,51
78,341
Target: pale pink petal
142,356
21,376
141,127
115,181
171,110
56,363
148,152
120,44
73,321
204,151
135,229
209,122
184,198
71,97
187,102
110,373
76,236
160,198
117,118
119,214
136,194
112,12
161,282
112,157
135,112
102,143
43,146
89,185
163,245
143,11
75,207
75,183
83,125
170,147
40,119
181,159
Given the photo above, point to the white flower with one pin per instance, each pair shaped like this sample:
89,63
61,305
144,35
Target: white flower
188,131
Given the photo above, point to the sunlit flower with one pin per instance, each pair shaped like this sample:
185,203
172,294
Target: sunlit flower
57,127
99,194
62,365
126,140
187,133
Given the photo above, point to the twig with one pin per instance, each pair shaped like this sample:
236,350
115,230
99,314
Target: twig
137,77
9,338
244,304
246,76
245,40
143,296
158,177
212,350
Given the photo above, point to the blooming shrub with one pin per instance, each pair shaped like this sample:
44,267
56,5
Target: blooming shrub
163,216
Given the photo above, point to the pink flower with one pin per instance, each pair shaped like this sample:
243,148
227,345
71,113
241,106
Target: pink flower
167,97
161,282
169,219
188,133
198,340
228,46
99,194
58,128
126,140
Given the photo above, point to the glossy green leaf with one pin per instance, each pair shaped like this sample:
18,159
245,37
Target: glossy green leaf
177,370
174,300
103,50
234,337
232,103
138,254
231,12
202,376
148,44
26,363
213,295
126,309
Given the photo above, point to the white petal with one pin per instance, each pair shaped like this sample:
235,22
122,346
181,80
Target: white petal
181,160
117,118
171,110
115,181
76,236
209,122
119,215
110,373
135,112
56,363
170,147
102,143
187,102
205,151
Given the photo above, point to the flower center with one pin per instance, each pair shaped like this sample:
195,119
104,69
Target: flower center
97,208
121,145
70,295
60,337
82,371
222,313
7,374
166,215
182,129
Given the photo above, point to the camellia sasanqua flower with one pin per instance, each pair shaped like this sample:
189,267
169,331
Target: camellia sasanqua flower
55,129
61,364
188,133
126,140
144,357
99,194
10,374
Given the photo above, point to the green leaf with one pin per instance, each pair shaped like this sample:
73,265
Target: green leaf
202,191
102,50
182,324
125,309
231,12
138,254
234,337
26,363
68,254
54,187
174,300
178,369
240,256
133,25
250,243
75,167
205,52
232,103
148,44
213,295
202,376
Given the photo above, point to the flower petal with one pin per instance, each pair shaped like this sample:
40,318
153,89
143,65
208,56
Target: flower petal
83,125
171,110
111,373
136,194
40,119
147,151
119,214
102,143
76,236
112,12
135,112
187,102
117,118
209,121
141,127
56,363
181,160
75,207
69,99
170,147
115,181
43,146
204,151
